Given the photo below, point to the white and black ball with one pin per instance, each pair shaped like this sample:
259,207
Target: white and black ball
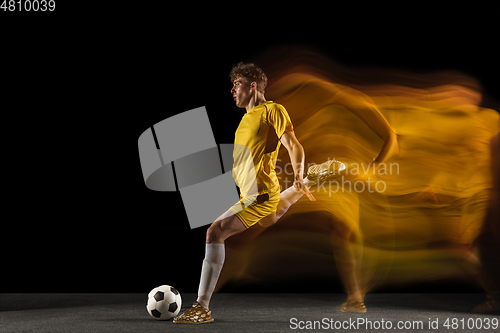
164,302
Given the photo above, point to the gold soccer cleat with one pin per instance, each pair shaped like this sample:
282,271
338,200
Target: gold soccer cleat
320,172
197,314
352,306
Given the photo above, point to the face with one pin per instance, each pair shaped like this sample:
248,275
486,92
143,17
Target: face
242,92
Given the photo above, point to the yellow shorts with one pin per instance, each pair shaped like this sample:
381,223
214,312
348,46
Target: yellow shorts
265,205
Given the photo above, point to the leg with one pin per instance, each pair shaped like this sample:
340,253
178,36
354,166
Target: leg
346,241
287,198
224,227
346,254
227,225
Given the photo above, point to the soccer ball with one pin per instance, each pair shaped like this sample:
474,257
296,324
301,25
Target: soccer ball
164,302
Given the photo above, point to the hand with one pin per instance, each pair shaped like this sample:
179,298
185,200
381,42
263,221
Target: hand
298,183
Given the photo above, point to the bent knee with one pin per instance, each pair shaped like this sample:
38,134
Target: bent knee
214,233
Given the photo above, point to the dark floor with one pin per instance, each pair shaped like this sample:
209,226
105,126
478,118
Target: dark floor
241,313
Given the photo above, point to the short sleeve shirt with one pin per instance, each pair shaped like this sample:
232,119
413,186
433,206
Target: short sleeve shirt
260,130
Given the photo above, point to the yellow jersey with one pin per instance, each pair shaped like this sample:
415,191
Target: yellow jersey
257,140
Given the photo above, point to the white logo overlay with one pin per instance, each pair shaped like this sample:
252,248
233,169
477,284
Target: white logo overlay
185,157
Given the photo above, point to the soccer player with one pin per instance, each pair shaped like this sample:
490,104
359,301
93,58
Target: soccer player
265,126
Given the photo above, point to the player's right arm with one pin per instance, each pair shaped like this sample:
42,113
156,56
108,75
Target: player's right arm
297,157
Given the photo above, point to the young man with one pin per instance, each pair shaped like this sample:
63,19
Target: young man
265,126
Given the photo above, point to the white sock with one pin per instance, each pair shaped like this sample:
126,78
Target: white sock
212,265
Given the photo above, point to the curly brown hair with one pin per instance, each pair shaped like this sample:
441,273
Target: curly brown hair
250,72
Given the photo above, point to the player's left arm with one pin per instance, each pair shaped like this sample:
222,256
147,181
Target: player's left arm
297,157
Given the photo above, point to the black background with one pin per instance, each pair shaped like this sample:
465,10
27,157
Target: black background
82,84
